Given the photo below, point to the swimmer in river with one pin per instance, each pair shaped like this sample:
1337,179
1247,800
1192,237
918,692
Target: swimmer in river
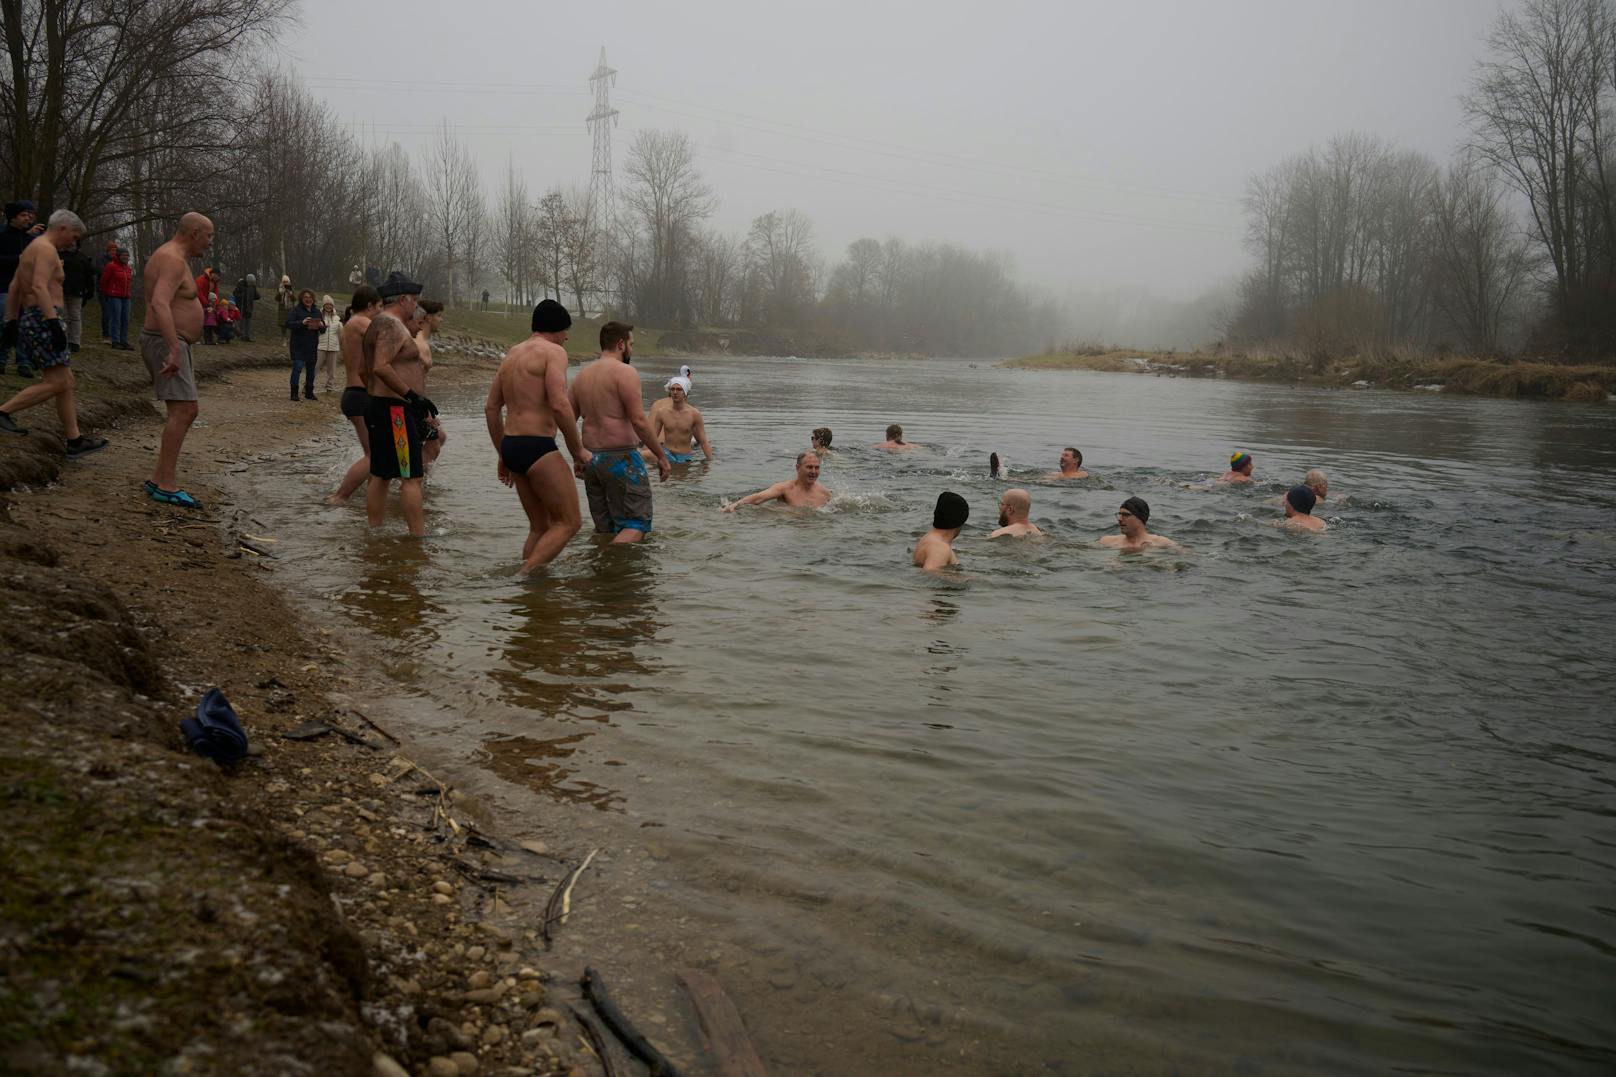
1299,502
803,491
606,394
676,424
819,440
994,465
1315,480
1014,508
895,442
935,549
1240,467
1131,520
1071,465
530,389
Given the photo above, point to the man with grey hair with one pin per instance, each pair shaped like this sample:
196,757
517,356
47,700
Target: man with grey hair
33,323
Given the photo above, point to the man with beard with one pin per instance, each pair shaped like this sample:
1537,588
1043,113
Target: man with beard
396,413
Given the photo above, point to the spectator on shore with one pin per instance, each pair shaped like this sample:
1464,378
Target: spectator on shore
304,324
20,231
210,319
330,339
485,298
107,256
246,298
285,300
117,280
78,284
207,289
355,277
229,316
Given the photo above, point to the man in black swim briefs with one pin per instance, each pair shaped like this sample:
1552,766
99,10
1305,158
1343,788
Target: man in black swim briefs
366,302
526,405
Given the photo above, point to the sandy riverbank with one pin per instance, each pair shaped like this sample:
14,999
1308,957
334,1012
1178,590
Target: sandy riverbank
307,911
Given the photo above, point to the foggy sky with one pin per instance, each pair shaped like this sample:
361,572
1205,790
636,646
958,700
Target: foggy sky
1103,146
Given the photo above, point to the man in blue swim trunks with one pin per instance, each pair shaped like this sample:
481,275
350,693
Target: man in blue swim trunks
526,404
676,424
606,393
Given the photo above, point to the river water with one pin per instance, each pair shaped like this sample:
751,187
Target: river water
1269,804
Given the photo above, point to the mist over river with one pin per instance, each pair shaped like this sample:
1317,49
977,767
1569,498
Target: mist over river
1269,804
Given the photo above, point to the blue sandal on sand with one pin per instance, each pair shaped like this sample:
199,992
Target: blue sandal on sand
171,497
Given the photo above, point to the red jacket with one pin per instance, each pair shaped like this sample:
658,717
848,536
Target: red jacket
115,280
206,286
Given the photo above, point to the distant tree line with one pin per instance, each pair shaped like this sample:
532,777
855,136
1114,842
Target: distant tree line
132,112
1359,245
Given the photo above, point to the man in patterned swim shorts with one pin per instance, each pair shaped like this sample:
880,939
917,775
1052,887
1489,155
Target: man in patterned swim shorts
607,394
33,322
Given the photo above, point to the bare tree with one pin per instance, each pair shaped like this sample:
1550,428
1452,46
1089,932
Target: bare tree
454,205
716,277
665,199
1481,263
1532,111
513,237
581,241
97,100
550,230
779,260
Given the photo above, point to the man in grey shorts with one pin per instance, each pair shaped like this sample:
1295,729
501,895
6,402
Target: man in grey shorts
173,324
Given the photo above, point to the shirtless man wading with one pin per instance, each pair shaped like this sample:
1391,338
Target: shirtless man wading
173,325
1015,506
935,549
676,424
366,302
396,414
530,389
606,394
804,490
33,322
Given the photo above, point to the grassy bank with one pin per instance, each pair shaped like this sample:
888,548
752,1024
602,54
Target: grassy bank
1586,383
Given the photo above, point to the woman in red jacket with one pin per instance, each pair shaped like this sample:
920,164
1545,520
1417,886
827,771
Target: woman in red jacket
116,278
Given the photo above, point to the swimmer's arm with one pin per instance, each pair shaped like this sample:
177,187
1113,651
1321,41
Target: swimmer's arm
389,335
701,438
160,310
937,556
628,393
771,494
555,391
494,411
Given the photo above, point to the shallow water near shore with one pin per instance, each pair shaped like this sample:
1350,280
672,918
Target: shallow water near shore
1272,803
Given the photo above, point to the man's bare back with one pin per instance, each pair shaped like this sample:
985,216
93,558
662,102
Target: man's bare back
935,551
352,339
601,392
524,387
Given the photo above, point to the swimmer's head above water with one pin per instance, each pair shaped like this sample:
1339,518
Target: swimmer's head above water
1133,516
1241,462
951,512
807,467
1300,499
820,437
1315,480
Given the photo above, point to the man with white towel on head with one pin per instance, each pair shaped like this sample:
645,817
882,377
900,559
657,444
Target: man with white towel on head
677,424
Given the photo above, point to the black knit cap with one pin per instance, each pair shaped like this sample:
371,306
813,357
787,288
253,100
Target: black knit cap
398,284
951,511
1138,507
550,317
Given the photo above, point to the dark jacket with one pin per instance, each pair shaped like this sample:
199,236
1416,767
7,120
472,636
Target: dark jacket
12,241
245,295
305,342
78,274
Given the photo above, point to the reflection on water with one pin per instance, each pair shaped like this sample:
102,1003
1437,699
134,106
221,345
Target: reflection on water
1269,804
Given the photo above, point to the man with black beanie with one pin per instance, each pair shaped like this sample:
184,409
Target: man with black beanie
935,549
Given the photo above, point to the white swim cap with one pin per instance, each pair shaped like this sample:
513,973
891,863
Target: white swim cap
679,380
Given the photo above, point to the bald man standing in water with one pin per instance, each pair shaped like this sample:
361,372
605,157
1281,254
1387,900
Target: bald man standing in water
1014,508
173,325
526,405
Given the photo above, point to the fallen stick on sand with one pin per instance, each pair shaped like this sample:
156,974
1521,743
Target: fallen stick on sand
559,906
638,1045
